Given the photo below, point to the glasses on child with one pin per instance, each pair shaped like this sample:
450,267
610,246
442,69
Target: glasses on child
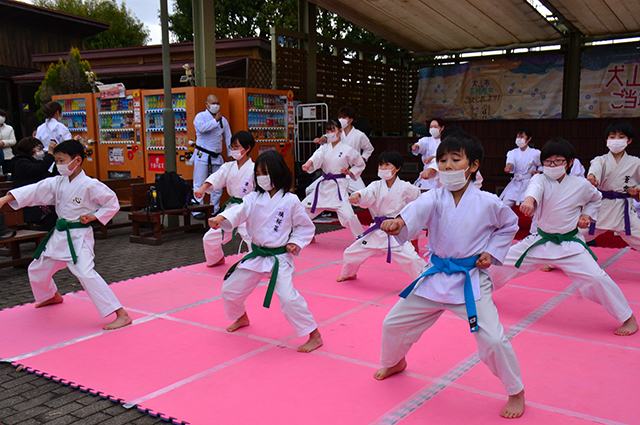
557,161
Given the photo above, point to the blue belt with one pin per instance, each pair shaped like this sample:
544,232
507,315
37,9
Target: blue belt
377,221
451,266
610,194
326,176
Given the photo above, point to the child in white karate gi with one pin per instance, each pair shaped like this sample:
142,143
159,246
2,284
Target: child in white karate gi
279,229
338,162
384,198
523,162
237,177
617,177
78,199
426,147
562,203
456,279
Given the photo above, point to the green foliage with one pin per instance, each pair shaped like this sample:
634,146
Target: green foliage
126,29
64,78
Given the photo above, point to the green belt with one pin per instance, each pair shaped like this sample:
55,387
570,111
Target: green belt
231,200
261,251
556,238
61,226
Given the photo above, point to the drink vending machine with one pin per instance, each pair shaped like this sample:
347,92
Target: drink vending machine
186,103
120,135
268,116
79,116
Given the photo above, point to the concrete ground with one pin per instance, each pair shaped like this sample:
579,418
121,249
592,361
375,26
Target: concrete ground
28,399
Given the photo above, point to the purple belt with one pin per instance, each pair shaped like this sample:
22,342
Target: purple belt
610,194
377,221
326,176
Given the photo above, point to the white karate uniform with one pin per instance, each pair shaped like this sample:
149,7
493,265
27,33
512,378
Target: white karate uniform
239,183
51,130
616,177
577,169
427,146
559,206
72,199
384,201
209,134
479,223
332,160
271,222
524,163
360,143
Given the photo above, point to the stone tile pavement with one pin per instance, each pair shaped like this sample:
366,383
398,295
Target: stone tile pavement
28,399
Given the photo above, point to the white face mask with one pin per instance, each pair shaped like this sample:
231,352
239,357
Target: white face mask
554,172
332,137
385,174
64,170
344,122
214,109
39,155
453,180
521,142
1,120
265,182
435,132
617,145
237,154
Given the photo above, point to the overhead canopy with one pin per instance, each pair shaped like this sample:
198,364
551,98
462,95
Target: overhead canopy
423,26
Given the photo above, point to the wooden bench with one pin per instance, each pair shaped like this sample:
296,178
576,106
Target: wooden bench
13,219
122,188
141,218
5,185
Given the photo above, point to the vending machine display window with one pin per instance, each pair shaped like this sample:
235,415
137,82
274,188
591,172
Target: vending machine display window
154,121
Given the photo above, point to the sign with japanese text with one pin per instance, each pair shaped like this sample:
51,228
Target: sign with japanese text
116,155
610,84
156,163
112,91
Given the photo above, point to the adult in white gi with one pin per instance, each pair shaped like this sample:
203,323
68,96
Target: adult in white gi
617,176
577,169
339,162
78,199
427,147
7,141
562,203
384,198
523,162
237,177
460,241
52,130
211,127
275,219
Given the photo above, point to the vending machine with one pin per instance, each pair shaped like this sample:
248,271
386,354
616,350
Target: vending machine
79,116
268,116
186,103
120,135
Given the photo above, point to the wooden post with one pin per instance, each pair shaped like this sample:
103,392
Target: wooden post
307,24
204,43
571,83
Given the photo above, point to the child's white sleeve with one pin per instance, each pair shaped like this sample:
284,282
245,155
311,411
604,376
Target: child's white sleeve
366,146
416,216
510,159
356,164
316,160
593,199
303,228
238,215
596,167
36,194
218,179
410,193
506,222
367,196
108,201
535,189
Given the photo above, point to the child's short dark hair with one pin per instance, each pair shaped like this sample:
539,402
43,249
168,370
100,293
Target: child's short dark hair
28,144
448,131
462,142
70,147
559,147
348,112
333,124
391,157
623,127
272,162
3,113
525,131
440,122
245,139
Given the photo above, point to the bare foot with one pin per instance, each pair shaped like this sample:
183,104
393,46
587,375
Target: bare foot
385,372
241,322
314,342
122,319
56,299
547,268
629,327
219,263
515,406
342,279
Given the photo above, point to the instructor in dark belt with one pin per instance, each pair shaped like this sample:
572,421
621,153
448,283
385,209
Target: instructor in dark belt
211,127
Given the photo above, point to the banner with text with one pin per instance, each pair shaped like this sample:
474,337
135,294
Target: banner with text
520,88
610,83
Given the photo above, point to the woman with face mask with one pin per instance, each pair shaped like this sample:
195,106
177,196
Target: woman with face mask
52,130
30,165
7,141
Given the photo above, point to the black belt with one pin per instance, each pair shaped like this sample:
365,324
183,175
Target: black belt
212,154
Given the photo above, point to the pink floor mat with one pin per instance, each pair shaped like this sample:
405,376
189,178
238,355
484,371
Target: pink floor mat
178,361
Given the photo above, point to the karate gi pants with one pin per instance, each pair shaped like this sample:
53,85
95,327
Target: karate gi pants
592,282
633,240
242,282
407,258
41,273
410,317
200,174
346,216
213,241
